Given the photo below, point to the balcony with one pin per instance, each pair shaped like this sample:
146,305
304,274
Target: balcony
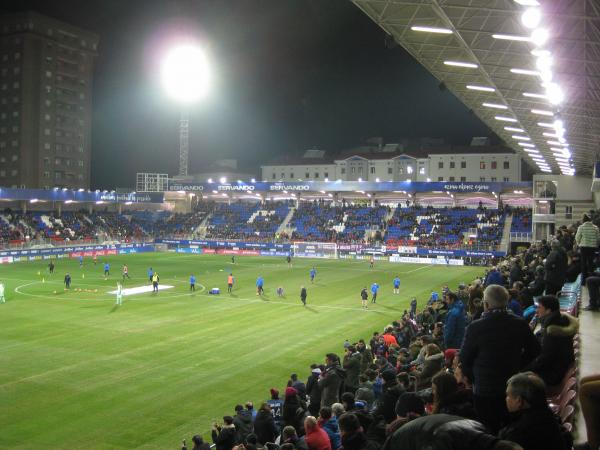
544,218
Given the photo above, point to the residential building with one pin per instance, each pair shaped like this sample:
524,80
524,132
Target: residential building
46,69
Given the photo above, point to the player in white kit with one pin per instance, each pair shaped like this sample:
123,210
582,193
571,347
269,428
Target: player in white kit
119,294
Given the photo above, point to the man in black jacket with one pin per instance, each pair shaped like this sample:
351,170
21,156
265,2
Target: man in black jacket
445,432
556,338
532,424
242,422
224,437
495,347
556,268
386,405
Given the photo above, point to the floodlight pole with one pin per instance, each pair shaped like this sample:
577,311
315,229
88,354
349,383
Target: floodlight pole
184,141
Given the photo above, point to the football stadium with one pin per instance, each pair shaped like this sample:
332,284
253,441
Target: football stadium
398,292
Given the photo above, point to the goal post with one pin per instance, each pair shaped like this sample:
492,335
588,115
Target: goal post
315,249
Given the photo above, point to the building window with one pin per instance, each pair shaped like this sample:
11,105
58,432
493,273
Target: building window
354,170
57,175
481,178
316,174
326,175
14,172
451,179
441,165
390,170
343,171
463,164
494,165
2,173
409,169
282,174
506,179
291,174
360,169
451,166
306,175
482,165
422,171
15,157
372,170
46,174
440,178
493,179
274,176
506,165
463,178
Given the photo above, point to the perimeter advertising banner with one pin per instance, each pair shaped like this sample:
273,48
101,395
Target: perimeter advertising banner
62,195
347,186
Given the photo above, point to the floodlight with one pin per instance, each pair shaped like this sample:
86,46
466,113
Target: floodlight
554,93
540,36
494,105
431,29
222,180
184,73
511,37
461,64
480,88
542,112
531,18
525,71
518,130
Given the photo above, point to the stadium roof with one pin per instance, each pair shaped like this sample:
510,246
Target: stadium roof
515,78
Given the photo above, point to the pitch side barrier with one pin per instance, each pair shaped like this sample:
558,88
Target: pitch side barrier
321,250
11,256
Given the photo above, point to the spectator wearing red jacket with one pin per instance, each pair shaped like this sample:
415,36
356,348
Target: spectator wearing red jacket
316,438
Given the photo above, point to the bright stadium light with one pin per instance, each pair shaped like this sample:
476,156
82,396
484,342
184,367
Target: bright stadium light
185,74
185,77
531,18
431,29
475,87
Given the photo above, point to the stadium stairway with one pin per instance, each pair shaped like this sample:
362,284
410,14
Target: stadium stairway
203,227
283,228
505,241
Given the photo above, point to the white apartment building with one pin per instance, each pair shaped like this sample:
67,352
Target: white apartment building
490,166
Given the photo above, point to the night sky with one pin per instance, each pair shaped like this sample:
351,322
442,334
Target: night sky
288,75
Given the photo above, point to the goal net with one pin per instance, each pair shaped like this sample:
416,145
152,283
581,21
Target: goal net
315,249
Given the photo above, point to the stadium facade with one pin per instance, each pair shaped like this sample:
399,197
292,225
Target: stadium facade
45,102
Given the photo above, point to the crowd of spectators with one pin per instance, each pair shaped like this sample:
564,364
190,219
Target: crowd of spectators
470,369
260,221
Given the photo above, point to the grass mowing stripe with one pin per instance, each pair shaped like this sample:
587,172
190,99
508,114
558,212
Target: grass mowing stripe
158,369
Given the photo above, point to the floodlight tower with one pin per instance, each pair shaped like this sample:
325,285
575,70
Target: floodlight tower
185,77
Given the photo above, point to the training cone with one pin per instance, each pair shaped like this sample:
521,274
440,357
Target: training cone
55,292
83,275
39,273
43,280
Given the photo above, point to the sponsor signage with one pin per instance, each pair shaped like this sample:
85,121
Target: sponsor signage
62,195
348,186
226,244
75,251
435,261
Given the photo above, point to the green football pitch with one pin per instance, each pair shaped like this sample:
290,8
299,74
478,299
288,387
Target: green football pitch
76,371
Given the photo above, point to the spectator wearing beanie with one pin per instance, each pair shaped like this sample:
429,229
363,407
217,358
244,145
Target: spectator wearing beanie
316,438
408,407
276,405
353,436
294,411
556,338
385,406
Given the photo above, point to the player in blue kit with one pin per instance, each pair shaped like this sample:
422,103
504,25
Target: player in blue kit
396,285
80,261
259,285
374,289
106,270
150,273
313,273
193,283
